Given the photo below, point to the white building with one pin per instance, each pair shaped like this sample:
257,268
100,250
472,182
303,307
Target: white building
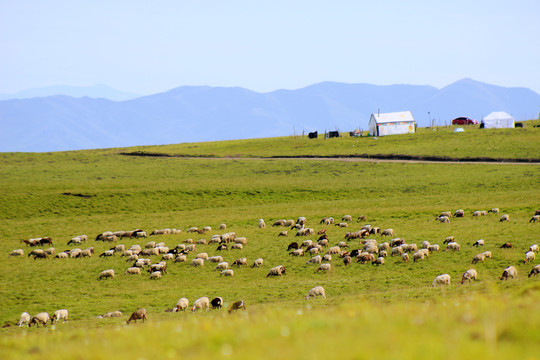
392,124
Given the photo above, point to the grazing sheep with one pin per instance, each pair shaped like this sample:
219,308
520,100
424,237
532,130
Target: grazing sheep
168,256
443,279
325,243
453,246
334,250
505,217
293,246
216,303
327,257
161,266
222,247
315,260
297,252
362,218
283,233
479,242
397,242
60,314
425,244
262,224
203,256
378,261
487,254
535,271
41,318
446,213
240,262
494,210
535,218
138,315
106,274
433,248
279,223
112,314
509,272
405,257
133,271
25,319
150,252
182,304
365,257
222,266
387,232
375,230
479,257
459,213
237,247
200,304
201,242
418,256
506,246
215,259
534,248
257,263
228,272
529,257
181,258
343,224
448,240
347,260
397,250
469,275
347,218
237,305
107,253
277,271
155,275
444,219
62,255
18,252
316,291
477,213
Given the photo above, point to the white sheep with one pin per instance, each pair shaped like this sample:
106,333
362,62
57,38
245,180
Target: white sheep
106,274
443,279
479,242
504,217
334,250
378,261
180,258
262,224
215,259
315,260
203,256
453,246
24,319
529,257
425,244
222,226
222,266
228,272
197,262
487,254
324,267
297,252
418,256
479,257
433,248
133,271
201,303
237,247
155,275
316,291
41,318
168,256
469,275
112,314
18,252
534,248
509,272
182,304
258,262
387,232
132,258
276,271
241,240
327,257
405,257
60,314
62,255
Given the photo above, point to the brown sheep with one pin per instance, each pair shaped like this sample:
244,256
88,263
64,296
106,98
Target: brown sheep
507,246
237,305
138,315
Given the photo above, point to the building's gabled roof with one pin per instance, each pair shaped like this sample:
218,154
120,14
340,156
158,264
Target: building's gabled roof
403,116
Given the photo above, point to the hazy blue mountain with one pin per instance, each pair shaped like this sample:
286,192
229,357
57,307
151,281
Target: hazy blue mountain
204,113
96,91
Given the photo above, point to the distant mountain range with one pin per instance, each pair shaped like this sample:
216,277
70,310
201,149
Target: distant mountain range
96,91
204,113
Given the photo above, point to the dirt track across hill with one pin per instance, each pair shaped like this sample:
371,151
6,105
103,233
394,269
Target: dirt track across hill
358,158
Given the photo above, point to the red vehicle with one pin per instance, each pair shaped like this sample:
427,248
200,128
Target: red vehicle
463,121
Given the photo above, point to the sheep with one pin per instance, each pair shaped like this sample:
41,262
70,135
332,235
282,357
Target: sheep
397,250
283,233
347,260
257,262
347,218
237,247
405,257
506,246
150,245
504,217
425,244
193,229
180,258
216,303
135,249
88,252
18,252
201,303
150,252
378,261
365,257
387,232
479,242
535,218
133,271
289,222
315,260
62,255
418,256
397,242
182,304
106,274
443,279
459,213
197,262
155,275
534,248
469,275
203,256
449,239
334,250
535,271
327,257
25,319
529,257
277,271
168,256
60,314
509,272
446,213
487,254
215,259
297,252
262,224
107,253
38,254
494,210
140,314
375,230
222,247
301,220
343,224
324,267
476,213
453,246
316,291
362,218
201,242
411,248
241,240
240,262
207,228
433,248
228,272
222,266
41,318
479,257
161,266
325,243
293,246
112,314
237,305
140,234
279,223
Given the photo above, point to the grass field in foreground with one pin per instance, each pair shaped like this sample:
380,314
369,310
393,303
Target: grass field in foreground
392,308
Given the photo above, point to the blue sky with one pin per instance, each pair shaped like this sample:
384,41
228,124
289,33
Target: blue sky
146,47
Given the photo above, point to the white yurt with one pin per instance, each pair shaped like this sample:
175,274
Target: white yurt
498,120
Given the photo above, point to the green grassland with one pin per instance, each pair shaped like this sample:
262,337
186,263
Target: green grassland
392,308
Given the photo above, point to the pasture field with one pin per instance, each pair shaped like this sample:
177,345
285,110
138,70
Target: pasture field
519,143
389,311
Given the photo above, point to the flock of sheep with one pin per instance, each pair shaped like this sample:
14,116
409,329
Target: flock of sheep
319,250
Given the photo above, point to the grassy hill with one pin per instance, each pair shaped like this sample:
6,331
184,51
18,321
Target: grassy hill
88,192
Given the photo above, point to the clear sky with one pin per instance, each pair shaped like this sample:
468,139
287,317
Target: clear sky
146,47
